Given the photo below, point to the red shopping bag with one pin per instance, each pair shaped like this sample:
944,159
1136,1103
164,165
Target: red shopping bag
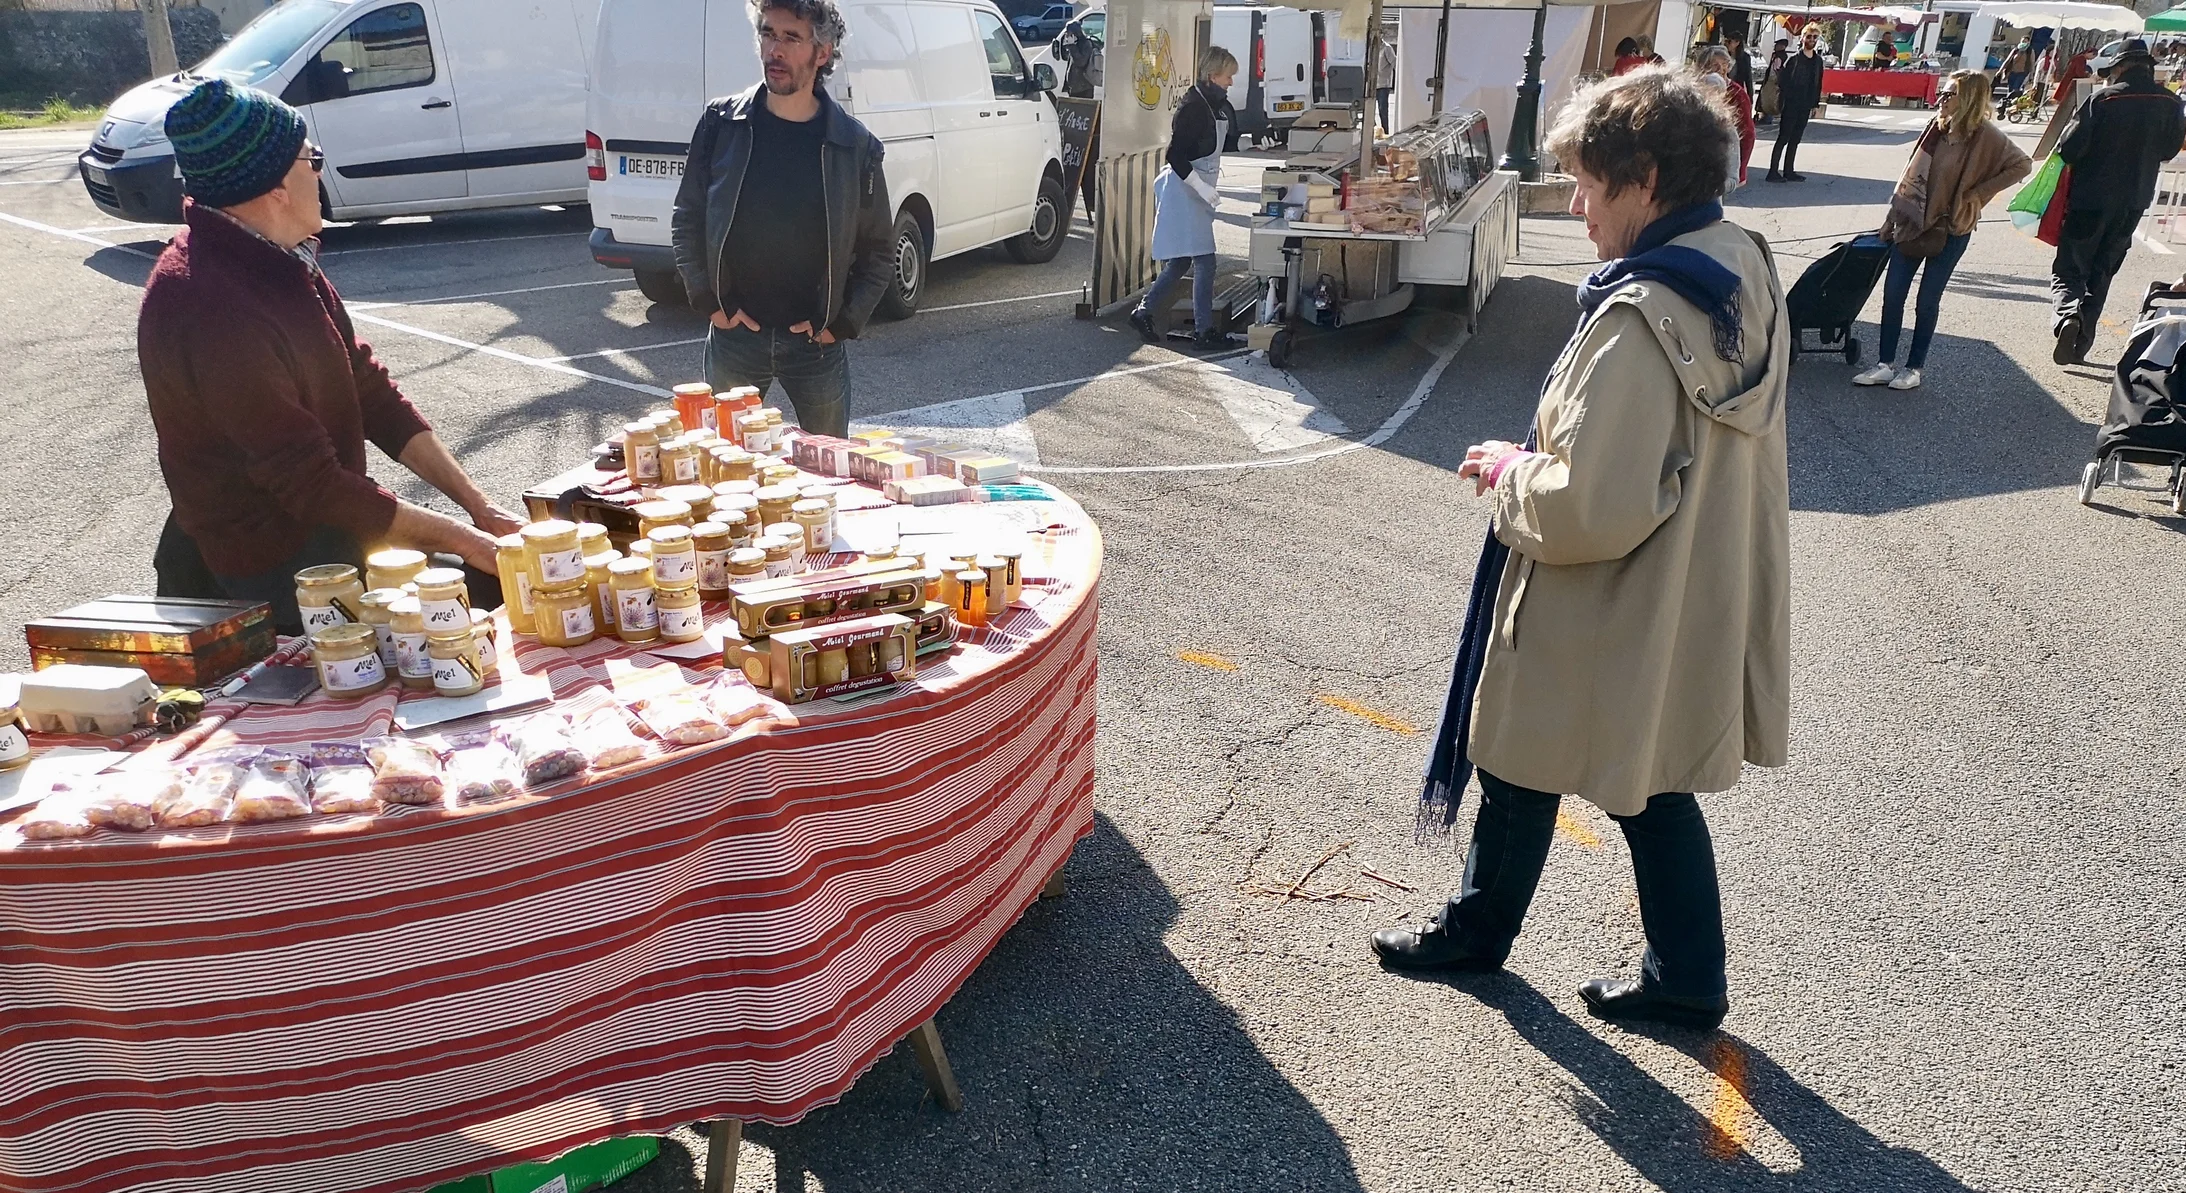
2053,216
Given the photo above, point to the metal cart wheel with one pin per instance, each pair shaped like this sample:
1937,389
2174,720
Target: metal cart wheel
1279,349
2091,478
1852,350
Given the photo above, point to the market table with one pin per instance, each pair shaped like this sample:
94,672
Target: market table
374,1003
1907,84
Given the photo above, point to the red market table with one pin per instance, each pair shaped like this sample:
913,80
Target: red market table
1906,84
376,1003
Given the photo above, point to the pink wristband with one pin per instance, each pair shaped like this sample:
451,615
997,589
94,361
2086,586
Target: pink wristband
1510,458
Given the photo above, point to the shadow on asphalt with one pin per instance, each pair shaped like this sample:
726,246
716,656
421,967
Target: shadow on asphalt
1819,190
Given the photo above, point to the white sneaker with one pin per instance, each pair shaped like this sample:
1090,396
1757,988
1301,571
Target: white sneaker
1881,374
1906,379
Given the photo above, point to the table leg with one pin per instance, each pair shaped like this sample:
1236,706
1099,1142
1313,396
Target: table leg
926,1042
724,1138
1055,888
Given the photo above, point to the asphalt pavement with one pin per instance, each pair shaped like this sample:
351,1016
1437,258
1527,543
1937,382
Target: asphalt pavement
1954,918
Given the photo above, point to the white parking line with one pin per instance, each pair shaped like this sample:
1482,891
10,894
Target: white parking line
419,302
38,181
623,351
995,302
65,234
440,244
512,357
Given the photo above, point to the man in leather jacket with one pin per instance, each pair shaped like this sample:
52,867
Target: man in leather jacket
782,228
1799,91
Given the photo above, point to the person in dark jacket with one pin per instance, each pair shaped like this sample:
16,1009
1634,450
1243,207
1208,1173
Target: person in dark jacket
1799,90
261,395
2115,145
1741,66
782,227
1185,200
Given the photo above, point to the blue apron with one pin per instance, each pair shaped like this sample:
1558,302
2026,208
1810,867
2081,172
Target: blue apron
1184,222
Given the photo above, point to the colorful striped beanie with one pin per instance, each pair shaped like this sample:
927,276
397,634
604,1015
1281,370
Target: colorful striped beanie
233,143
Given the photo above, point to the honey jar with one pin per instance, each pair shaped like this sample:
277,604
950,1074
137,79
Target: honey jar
445,599
698,497
796,534
694,405
997,582
326,596
971,597
775,550
598,585
678,462
413,667
514,564
746,563
347,657
817,519
732,487
566,616
1013,561
393,567
554,554
751,432
637,618
641,549
489,655
779,474
774,503
592,539
376,609
653,514
680,618
641,453
675,556
14,745
713,544
456,667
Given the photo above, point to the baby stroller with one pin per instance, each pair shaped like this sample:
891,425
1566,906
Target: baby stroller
1829,295
2147,420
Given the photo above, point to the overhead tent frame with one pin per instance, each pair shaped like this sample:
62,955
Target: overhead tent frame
2061,14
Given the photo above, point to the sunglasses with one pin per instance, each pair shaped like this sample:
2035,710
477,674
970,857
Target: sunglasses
317,158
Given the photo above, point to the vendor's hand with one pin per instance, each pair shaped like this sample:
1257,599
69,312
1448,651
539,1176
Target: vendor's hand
495,521
476,547
727,322
1480,462
805,329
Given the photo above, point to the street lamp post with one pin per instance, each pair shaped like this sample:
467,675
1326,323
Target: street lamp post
1520,152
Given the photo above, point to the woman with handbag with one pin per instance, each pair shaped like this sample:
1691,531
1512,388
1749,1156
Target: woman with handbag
1960,162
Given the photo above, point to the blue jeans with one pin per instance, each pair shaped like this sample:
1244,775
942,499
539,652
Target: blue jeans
1673,863
1935,274
1172,271
815,376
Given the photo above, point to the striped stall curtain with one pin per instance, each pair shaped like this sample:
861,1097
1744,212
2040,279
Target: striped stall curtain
1123,260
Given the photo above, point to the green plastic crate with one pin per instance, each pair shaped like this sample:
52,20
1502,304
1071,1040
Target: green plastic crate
602,1163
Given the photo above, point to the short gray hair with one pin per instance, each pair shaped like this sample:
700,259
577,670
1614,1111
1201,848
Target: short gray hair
1653,119
1711,55
827,23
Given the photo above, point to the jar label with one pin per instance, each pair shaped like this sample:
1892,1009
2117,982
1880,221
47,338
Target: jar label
389,656
351,675
678,567
606,598
577,621
321,617
459,674
445,614
634,609
410,657
713,569
686,468
781,567
13,745
646,465
488,657
523,592
686,622
560,567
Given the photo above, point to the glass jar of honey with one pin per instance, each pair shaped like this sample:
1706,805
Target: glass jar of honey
779,474
554,552
566,616
655,514
376,609
675,555
775,550
457,670
751,432
637,618
774,503
489,655
736,488
600,587
712,541
641,453
680,618
796,535
326,596
347,658
393,567
514,564
444,596
592,539
694,405
997,583
14,744
678,462
698,497
970,589
817,520
413,667
1013,564
746,563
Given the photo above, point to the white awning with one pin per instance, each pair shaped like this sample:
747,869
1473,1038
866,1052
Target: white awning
2062,14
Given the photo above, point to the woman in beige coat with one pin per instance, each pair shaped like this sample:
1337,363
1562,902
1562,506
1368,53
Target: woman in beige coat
1630,637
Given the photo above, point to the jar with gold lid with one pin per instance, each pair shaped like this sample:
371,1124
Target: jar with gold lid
377,609
652,514
680,618
713,544
566,616
457,670
698,497
347,658
637,619
774,503
818,522
675,555
326,596
598,584
444,596
393,567
779,474
413,667
514,564
776,550
641,453
592,539
747,563
554,553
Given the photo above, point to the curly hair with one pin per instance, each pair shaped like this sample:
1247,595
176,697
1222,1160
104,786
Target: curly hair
1655,119
827,24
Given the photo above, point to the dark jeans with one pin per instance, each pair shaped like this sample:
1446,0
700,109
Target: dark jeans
1935,274
1172,271
815,376
1784,159
1381,104
326,545
1673,862
2090,248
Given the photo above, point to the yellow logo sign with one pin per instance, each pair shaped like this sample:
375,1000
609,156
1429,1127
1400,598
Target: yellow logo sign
1152,68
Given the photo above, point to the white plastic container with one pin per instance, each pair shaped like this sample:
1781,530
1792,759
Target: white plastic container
76,698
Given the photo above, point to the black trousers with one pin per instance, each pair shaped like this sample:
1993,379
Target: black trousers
2090,249
1784,159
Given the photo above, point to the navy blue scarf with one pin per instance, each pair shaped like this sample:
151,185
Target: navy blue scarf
1700,280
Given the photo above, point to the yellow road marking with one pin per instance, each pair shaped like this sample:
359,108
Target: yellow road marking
1215,661
1575,828
1729,1117
1380,720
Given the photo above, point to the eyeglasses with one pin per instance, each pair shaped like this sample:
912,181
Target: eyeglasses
317,158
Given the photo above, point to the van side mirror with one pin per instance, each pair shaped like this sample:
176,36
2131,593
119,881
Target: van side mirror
1043,76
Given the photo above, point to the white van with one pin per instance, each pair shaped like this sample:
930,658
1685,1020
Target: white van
974,153
1274,48
1339,62
420,106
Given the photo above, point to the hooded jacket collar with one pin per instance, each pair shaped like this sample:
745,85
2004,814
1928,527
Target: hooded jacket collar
838,128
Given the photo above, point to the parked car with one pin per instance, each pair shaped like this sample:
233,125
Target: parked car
1044,26
1274,48
974,154
419,105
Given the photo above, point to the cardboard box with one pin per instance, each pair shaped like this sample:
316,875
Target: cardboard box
986,470
591,1167
881,652
767,607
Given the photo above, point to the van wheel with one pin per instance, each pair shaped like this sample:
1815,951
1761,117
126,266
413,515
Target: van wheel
1038,244
909,280
664,286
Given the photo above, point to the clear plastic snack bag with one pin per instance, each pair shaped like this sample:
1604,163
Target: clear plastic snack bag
125,800
275,787
544,749
203,800
481,767
681,718
605,738
57,817
341,777
405,771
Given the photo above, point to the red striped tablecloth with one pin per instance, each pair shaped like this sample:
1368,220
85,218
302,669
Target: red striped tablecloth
379,1003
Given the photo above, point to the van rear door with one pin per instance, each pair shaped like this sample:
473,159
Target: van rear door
648,88
383,107
523,73
1286,50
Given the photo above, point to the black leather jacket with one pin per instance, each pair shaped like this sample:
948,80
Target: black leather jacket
2118,142
860,220
1799,82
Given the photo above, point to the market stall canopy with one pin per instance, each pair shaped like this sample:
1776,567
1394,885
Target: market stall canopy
1904,18
2061,14
1358,14
2168,21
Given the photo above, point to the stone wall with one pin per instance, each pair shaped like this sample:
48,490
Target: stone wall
90,57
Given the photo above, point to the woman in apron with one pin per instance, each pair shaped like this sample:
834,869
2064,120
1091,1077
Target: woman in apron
1184,201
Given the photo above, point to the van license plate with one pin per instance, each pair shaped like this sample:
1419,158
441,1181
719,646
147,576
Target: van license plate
636,165
97,176
1290,105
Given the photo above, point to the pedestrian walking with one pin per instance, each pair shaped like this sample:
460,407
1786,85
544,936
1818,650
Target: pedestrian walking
1741,71
782,227
2017,66
1185,199
1645,529
1960,162
2116,145
1385,76
1799,90
1772,100
1715,65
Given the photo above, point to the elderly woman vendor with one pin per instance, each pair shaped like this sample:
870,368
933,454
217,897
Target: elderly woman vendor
1628,640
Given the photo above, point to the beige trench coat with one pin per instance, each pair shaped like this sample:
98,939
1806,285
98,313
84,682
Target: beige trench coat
1642,626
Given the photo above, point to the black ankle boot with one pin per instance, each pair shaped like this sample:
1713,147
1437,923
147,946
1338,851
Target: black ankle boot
1619,999
1429,949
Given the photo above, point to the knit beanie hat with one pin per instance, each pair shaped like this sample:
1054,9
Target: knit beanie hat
232,143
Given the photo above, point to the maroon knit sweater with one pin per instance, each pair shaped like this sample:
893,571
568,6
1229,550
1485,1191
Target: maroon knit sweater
262,396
